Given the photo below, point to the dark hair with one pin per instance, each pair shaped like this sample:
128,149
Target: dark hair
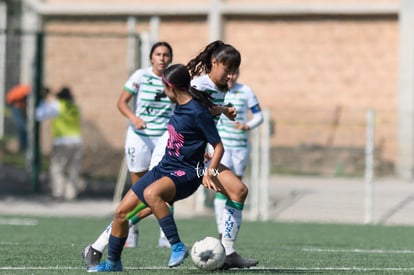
65,94
159,44
177,76
222,52
44,92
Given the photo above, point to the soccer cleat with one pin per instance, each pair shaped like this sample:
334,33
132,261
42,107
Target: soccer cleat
91,256
178,254
133,236
234,260
163,242
107,266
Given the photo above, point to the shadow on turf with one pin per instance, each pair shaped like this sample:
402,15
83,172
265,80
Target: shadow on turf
259,270
272,271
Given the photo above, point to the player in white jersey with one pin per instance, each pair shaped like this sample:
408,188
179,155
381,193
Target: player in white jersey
148,119
211,69
235,135
202,83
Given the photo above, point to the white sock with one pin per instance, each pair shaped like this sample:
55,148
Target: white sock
219,205
162,235
103,239
132,236
231,224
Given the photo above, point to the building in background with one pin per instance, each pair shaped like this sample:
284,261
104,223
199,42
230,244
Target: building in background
319,66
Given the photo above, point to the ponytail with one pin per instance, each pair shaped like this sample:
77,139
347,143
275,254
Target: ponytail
223,53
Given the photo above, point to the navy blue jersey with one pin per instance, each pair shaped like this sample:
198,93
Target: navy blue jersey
189,129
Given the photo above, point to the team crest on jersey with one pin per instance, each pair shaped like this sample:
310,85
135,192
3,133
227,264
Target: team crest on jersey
179,173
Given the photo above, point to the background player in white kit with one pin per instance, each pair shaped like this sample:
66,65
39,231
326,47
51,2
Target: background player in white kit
148,121
235,135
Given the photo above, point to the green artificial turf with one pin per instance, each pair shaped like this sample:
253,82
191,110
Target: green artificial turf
52,246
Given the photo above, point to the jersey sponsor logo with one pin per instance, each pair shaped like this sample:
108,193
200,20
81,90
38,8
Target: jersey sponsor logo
160,94
175,142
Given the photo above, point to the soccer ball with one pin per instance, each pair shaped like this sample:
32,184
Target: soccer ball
208,253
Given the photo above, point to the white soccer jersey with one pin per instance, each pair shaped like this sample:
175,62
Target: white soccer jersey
149,104
242,98
204,83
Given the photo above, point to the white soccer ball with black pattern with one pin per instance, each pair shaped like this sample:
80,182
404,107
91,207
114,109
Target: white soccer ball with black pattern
208,253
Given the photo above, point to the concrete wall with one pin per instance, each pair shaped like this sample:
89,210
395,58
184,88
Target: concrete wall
318,73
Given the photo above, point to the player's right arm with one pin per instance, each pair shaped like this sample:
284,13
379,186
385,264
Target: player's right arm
228,111
123,107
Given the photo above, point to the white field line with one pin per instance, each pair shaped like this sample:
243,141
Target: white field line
275,268
9,243
356,250
18,221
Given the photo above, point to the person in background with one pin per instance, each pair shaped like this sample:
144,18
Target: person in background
66,155
147,119
235,135
16,98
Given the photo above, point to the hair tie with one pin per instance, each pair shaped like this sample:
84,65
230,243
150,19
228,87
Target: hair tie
174,86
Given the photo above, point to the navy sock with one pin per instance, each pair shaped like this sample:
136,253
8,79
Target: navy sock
169,228
115,247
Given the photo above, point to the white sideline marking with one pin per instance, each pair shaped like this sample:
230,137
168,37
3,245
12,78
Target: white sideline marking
276,268
8,243
18,221
374,251
359,269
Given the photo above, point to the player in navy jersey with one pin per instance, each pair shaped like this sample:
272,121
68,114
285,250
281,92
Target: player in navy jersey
148,118
211,70
179,173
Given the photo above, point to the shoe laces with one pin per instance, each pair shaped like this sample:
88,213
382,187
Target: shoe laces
178,247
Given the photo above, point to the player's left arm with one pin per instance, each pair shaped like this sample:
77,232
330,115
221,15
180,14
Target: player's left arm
257,117
254,107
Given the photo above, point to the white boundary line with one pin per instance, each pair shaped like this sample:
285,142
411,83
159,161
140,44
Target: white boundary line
18,221
275,268
253,269
356,250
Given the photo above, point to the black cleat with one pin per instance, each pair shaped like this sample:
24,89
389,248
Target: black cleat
234,260
91,256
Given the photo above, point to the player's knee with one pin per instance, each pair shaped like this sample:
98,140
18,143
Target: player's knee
120,214
239,194
150,196
244,191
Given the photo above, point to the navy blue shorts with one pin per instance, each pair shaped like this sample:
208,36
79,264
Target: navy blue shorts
186,182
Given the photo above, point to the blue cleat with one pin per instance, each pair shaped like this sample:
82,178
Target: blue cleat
178,254
106,266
